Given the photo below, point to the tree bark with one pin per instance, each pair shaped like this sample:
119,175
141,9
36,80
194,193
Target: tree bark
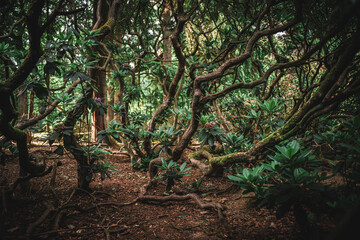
104,17
111,101
23,102
98,121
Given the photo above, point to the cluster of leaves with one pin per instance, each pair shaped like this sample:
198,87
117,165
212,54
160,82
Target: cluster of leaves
235,142
184,115
292,178
173,172
95,157
165,135
210,132
342,144
141,163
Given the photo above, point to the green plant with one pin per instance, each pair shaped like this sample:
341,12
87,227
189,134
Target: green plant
165,135
196,185
172,172
112,130
254,114
184,115
291,181
95,155
342,144
209,134
141,163
251,180
234,143
118,109
272,105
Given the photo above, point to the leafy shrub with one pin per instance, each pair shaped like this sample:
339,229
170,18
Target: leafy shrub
209,134
165,135
172,172
342,144
141,163
290,181
272,105
234,143
196,185
95,156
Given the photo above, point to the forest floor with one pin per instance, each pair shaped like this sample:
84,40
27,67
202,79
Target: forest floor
64,212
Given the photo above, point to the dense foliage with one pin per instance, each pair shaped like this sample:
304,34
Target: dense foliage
248,81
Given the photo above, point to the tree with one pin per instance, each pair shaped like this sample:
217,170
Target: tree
322,95
36,25
187,58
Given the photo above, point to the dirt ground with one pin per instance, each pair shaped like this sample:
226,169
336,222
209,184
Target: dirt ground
64,212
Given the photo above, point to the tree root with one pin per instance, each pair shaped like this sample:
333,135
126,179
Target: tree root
28,177
193,196
58,212
48,210
207,170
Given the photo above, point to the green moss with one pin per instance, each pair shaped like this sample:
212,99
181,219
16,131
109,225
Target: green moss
107,27
202,153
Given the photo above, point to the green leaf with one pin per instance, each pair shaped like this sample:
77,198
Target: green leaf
235,178
246,173
59,150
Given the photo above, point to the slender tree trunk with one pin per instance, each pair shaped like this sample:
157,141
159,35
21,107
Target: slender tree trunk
167,33
182,18
111,100
98,121
220,116
31,104
23,102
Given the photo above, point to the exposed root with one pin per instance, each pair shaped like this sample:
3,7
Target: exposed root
205,169
28,177
59,212
204,205
48,210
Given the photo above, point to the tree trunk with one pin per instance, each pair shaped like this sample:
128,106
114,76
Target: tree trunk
105,15
220,116
98,121
23,102
31,104
111,100
167,33
71,144
171,93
